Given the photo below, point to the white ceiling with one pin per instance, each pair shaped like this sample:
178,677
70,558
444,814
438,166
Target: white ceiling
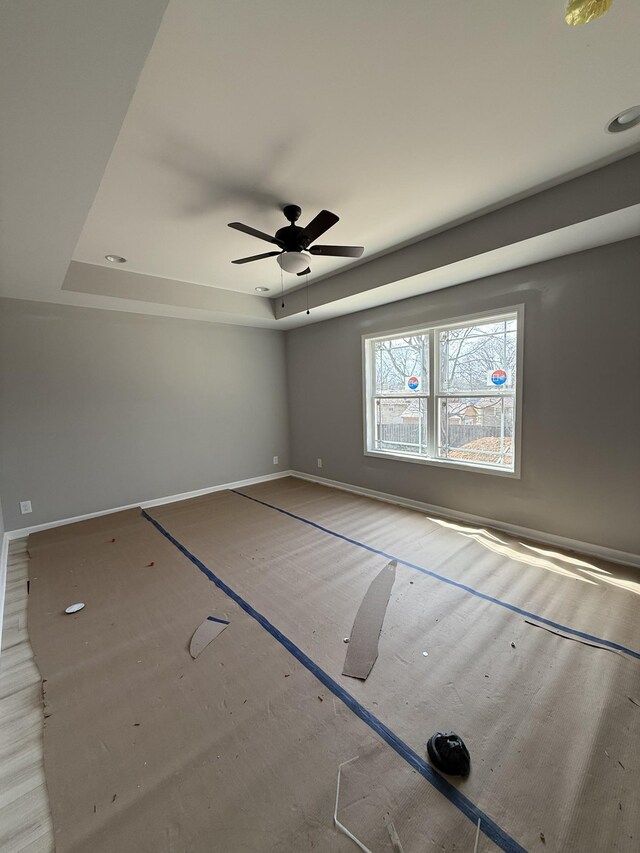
403,118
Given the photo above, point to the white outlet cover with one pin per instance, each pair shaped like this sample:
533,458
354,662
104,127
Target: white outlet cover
275,460
25,507
319,462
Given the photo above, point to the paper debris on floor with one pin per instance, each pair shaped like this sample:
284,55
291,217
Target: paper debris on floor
205,633
362,650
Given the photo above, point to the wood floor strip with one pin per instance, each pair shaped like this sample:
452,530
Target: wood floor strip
25,819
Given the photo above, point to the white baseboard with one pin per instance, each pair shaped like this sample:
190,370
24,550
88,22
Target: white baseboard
183,496
588,548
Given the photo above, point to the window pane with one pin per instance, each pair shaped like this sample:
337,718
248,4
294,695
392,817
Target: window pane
402,365
477,429
401,425
478,358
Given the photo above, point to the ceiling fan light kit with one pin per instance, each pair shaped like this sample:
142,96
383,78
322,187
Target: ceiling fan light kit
294,242
294,262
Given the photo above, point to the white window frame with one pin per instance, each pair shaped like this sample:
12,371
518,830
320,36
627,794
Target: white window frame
432,397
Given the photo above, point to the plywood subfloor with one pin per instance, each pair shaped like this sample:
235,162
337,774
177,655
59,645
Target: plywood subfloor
25,820
239,749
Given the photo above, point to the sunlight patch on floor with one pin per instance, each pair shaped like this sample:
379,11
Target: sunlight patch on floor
546,559
505,549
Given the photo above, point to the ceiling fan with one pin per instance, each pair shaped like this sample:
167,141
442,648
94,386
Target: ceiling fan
295,243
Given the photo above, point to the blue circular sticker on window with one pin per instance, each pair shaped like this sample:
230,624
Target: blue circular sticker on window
498,377
413,382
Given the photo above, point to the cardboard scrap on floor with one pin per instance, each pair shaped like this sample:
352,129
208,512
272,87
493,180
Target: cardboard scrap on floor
362,651
205,633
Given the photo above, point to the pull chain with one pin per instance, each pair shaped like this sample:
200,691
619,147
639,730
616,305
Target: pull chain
282,286
307,293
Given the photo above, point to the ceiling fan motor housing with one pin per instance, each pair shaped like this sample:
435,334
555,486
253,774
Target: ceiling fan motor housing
292,238
292,212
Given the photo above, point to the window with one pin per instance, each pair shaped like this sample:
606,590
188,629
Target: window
447,394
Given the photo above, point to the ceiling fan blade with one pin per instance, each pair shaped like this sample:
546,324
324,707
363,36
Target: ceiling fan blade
247,229
304,272
337,251
256,258
322,222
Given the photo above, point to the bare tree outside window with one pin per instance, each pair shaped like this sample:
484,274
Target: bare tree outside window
475,360
402,383
465,411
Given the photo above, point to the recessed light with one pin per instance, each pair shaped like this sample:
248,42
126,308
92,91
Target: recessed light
116,259
625,120
262,289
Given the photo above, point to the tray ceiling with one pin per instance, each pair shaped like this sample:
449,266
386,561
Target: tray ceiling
405,119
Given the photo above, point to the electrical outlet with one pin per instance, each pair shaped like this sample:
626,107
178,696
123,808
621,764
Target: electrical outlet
25,507
319,462
275,460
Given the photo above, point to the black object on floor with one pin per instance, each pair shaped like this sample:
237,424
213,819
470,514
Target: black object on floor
449,754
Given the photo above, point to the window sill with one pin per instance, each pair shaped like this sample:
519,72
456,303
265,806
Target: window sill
476,467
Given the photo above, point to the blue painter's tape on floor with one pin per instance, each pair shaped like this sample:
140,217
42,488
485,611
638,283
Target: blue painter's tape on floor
609,644
491,829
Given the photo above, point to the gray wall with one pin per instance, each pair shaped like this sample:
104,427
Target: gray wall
100,409
581,410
